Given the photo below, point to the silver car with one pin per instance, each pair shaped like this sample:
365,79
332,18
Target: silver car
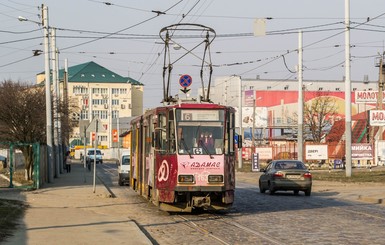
285,175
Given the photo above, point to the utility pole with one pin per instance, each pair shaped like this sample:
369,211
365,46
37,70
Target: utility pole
300,98
240,133
48,104
59,131
348,95
55,98
65,99
253,129
380,93
95,147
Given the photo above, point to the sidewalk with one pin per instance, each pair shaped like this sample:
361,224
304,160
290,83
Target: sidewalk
69,212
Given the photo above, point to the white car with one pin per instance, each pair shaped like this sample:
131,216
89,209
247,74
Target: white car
93,154
124,167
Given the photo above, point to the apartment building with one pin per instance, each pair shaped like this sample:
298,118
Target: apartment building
100,94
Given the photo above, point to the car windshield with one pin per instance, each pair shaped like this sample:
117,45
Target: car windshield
126,160
92,152
289,165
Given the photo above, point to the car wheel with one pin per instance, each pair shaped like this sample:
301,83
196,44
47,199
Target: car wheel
296,192
261,189
271,189
308,192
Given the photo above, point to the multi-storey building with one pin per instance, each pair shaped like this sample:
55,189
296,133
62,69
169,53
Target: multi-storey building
98,93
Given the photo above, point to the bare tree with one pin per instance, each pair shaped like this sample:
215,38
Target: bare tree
317,113
23,118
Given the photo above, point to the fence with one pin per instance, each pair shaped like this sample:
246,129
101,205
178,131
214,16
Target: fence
12,167
289,150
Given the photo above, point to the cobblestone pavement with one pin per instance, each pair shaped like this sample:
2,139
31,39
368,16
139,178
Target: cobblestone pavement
332,215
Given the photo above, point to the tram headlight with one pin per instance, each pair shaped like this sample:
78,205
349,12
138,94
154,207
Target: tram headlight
186,178
215,178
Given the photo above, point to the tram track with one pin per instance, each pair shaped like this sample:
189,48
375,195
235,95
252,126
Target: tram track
249,221
211,218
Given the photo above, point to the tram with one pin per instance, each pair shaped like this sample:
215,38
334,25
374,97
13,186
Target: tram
183,156
183,152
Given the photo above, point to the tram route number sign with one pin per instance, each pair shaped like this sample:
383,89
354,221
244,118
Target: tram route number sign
185,81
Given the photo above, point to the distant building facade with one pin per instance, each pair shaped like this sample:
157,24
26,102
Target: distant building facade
276,101
100,93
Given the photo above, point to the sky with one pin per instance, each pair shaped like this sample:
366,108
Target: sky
123,36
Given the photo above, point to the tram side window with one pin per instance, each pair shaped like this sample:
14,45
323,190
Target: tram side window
171,132
163,133
232,133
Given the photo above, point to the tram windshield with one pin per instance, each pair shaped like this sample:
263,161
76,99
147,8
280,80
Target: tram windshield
200,132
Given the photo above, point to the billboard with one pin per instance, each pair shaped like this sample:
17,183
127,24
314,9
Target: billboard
260,117
377,117
362,151
367,96
316,152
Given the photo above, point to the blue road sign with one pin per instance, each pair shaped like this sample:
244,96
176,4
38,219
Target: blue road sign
185,81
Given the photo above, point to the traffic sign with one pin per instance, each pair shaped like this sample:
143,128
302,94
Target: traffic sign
185,81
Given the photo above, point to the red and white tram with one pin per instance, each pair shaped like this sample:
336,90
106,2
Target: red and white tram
183,153
183,156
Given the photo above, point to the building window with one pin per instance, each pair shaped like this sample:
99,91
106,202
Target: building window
115,102
99,90
115,91
320,88
123,91
286,87
103,115
96,114
99,101
100,114
115,114
337,89
83,115
103,90
102,138
80,90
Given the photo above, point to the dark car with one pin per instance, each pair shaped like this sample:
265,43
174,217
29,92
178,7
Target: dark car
285,175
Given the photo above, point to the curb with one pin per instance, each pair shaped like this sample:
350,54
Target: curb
371,199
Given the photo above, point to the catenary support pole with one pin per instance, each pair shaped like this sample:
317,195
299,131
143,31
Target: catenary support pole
48,103
300,98
348,95
55,104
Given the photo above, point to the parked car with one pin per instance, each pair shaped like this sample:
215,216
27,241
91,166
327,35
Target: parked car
285,175
94,154
124,167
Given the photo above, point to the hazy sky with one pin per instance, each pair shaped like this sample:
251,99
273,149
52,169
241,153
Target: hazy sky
85,32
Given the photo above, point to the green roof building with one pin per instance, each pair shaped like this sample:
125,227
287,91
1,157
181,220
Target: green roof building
98,92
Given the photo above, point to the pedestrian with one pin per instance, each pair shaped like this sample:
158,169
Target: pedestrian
68,162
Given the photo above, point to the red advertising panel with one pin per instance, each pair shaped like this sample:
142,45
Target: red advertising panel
115,135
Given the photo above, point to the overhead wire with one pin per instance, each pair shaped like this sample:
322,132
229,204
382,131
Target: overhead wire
17,61
319,41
